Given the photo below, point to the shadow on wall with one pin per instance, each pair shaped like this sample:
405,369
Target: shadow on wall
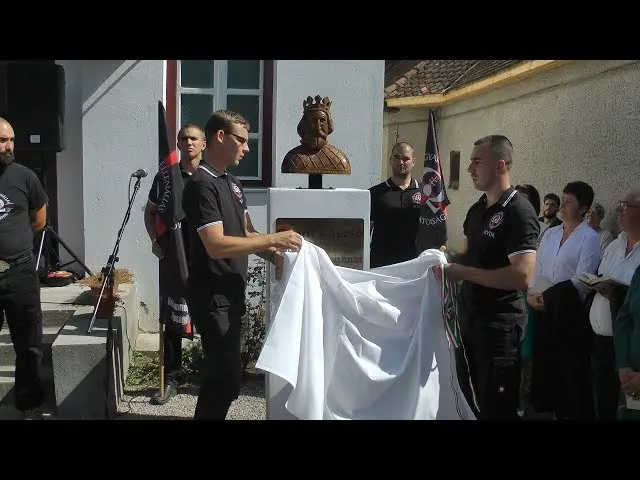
104,75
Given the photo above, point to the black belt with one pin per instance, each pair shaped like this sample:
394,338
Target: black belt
4,265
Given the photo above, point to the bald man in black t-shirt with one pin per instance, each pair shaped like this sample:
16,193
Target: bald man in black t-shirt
23,212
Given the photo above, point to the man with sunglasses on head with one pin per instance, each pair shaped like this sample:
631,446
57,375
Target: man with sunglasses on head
222,239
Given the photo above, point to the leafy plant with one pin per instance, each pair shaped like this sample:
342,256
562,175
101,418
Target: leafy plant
143,372
192,358
256,298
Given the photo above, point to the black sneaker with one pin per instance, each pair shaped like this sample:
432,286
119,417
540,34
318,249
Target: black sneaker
169,392
32,414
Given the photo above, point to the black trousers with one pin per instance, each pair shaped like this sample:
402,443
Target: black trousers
220,320
606,383
172,345
20,302
490,359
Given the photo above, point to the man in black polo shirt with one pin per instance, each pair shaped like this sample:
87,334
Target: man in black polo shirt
215,206
23,212
173,316
501,232
395,209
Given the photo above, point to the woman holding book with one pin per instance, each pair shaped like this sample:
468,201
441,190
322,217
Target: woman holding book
619,262
561,374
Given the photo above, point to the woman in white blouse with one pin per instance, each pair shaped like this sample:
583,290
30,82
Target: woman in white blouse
561,380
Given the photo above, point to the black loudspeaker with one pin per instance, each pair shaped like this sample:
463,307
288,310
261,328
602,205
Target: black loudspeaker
35,105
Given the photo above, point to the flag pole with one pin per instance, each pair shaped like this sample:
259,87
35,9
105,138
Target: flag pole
161,358
174,268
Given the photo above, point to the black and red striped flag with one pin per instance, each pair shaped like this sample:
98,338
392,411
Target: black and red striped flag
173,271
432,229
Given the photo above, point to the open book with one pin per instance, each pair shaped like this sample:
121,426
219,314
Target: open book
591,280
633,403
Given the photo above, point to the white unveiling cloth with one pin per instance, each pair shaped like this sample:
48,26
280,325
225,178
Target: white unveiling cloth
363,345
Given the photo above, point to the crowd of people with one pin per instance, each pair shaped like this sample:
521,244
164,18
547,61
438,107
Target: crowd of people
539,338
549,309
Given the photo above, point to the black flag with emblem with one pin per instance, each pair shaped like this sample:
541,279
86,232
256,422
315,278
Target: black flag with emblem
173,271
432,229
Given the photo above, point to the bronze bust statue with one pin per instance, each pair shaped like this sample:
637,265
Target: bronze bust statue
315,155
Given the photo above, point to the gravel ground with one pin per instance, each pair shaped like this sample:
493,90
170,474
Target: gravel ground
250,405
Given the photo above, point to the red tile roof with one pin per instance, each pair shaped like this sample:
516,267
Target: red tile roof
414,78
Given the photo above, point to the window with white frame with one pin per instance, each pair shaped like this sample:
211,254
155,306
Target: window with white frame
205,86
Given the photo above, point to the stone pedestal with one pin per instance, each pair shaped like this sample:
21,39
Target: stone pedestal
336,220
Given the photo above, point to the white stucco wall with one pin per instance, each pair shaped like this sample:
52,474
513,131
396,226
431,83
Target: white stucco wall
69,165
111,125
577,122
355,88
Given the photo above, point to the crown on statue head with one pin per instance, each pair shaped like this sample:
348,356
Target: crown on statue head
318,103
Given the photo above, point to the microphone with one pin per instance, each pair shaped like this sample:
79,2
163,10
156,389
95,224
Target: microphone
141,172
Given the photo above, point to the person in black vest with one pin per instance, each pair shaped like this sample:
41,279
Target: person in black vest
498,263
23,212
395,209
216,208
191,144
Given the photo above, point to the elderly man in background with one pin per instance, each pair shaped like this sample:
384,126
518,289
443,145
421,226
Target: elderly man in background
594,219
620,260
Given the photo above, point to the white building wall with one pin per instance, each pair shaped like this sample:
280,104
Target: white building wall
69,165
111,125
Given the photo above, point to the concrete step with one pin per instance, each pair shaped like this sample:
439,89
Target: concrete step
7,379
8,354
74,361
7,391
55,315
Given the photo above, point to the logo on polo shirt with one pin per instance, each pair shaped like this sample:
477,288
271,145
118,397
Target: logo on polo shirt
496,220
417,198
237,191
6,206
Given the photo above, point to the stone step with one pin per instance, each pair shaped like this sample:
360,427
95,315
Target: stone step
74,361
53,315
7,381
56,315
8,355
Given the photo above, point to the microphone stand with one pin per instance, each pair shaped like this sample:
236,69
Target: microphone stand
108,274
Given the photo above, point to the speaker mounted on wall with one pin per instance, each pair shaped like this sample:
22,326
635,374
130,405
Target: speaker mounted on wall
35,105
